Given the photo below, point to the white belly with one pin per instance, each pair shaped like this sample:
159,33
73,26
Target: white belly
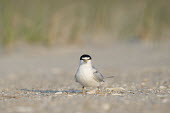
85,77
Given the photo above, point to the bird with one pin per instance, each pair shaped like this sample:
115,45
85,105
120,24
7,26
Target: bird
87,75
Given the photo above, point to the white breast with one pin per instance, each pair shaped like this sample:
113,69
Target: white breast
84,76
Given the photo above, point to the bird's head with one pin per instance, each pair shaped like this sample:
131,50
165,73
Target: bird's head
85,58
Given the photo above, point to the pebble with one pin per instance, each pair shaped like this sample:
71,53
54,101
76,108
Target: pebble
115,89
91,92
162,87
58,93
117,94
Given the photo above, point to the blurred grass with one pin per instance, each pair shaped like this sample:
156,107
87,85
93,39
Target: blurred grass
51,22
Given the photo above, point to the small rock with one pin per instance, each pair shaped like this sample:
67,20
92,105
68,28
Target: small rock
91,92
143,84
115,89
117,94
69,95
58,93
162,87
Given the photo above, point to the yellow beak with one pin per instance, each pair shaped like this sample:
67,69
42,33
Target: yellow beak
85,60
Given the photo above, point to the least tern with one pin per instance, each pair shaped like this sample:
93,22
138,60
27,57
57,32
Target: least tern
87,75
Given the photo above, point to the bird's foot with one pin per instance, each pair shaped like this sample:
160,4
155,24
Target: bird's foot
98,91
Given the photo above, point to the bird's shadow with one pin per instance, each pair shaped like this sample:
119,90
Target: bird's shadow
52,91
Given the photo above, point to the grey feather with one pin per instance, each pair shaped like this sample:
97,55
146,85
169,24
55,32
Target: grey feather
97,75
75,78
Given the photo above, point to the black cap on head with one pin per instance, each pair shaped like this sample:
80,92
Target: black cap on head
85,56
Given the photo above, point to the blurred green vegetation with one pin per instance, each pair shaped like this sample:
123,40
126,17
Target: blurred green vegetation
51,22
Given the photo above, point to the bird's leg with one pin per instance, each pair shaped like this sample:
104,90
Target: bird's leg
83,90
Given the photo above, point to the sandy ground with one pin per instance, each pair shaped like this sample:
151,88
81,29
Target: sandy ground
41,80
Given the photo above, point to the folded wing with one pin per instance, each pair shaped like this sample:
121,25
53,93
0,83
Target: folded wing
97,75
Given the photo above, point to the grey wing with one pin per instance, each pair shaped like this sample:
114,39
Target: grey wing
75,77
97,75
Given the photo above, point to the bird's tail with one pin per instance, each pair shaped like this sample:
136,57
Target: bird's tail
109,77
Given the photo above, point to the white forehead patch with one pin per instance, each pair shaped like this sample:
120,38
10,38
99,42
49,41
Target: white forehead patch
86,58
